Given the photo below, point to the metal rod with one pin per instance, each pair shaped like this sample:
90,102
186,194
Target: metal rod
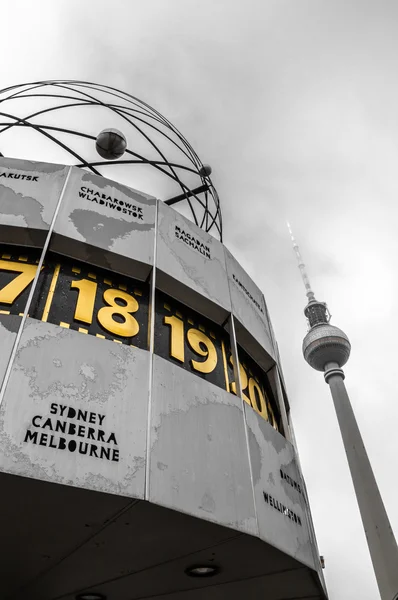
188,194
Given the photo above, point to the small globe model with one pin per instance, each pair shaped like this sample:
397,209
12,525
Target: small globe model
111,144
205,171
325,344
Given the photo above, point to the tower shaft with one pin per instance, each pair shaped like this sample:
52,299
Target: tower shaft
379,535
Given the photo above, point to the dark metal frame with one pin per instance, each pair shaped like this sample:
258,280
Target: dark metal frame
203,197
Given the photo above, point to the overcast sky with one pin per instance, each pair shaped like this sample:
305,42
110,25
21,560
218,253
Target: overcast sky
295,105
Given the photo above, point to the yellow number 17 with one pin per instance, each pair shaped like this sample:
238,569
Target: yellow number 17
10,292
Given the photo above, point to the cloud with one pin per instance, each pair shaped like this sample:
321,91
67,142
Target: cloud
294,106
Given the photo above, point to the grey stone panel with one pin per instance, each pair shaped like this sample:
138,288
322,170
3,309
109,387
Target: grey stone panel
194,274
29,192
248,307
56,366
9,325
199,460
113,226
270,453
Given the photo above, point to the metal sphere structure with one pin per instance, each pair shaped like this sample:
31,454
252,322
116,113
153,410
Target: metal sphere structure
324,344
59,121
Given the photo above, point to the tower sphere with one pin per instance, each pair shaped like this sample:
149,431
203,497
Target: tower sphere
111,144
324,344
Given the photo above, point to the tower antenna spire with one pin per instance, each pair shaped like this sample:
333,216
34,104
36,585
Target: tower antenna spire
304,276
315,311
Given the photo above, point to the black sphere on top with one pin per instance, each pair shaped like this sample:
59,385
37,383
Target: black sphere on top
111,144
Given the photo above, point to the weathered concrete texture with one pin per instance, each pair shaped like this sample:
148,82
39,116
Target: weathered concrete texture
57,367
270,453
29,192
198,458
194,259
248,306
106,215
9,325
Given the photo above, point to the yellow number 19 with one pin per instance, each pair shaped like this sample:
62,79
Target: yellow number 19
198,342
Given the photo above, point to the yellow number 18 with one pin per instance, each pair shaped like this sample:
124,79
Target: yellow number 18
84,311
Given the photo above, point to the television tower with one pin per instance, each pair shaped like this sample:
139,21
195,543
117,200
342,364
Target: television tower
327,348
